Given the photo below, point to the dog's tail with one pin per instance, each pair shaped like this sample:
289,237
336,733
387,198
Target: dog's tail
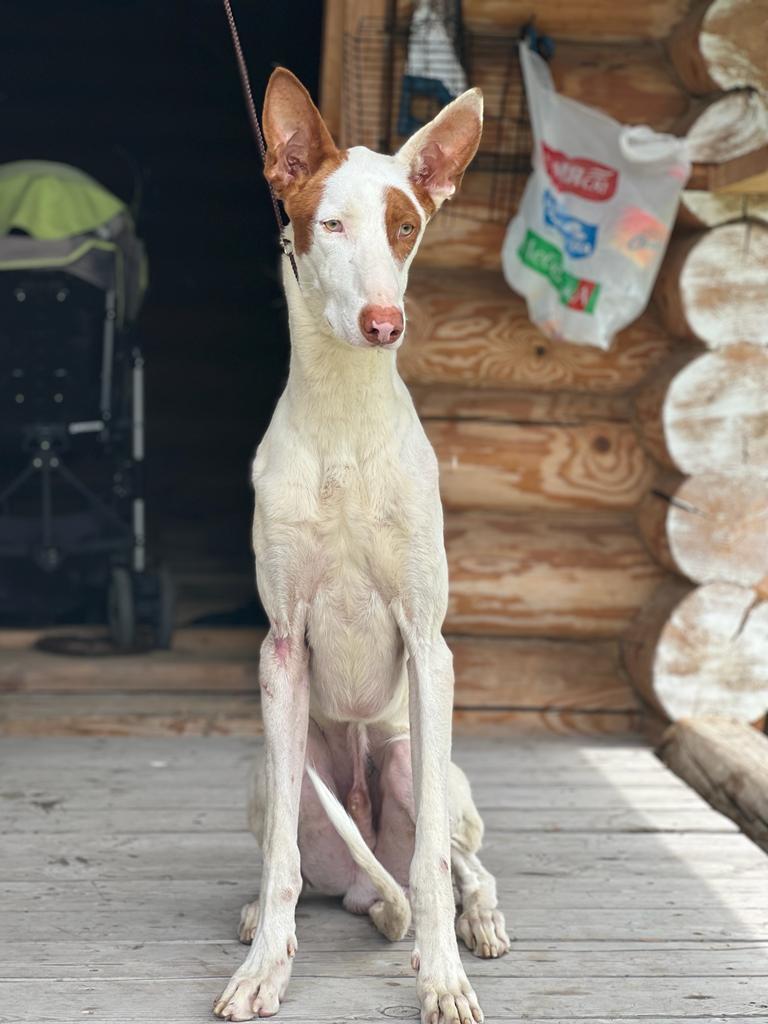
392,914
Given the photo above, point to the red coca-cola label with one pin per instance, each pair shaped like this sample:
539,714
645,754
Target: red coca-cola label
585,178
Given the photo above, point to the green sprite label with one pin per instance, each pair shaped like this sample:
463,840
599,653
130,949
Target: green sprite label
545,258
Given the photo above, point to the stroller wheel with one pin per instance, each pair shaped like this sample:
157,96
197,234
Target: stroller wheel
165,609
121,610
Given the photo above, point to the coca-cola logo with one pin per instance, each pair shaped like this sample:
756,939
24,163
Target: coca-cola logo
585,178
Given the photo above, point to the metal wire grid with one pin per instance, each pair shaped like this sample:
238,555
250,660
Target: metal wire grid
374,63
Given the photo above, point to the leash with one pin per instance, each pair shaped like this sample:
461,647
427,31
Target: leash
285,243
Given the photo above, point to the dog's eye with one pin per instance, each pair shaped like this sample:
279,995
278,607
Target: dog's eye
406,229
332,225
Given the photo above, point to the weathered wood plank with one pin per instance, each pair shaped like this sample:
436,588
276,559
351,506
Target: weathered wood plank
121,821
468,328
727,762
206,856
509,467
560,576
228,671
385,998
558,959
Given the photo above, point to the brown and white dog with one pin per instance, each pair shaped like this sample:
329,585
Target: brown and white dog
351,568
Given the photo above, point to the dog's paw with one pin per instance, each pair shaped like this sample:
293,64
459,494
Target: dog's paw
483,932
392,919
249,921
256,991
448,998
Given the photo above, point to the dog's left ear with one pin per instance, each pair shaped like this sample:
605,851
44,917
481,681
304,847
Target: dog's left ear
439,153
298,141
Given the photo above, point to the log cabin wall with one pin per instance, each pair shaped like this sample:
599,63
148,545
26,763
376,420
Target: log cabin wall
552,455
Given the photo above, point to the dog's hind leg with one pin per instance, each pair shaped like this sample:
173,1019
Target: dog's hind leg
480,925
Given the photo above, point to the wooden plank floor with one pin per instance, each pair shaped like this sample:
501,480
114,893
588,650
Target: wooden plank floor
124,863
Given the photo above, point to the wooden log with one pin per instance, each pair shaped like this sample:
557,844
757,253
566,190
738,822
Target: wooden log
541,675
725,128
715,416
742,175
649,402
577,20
727,763
564,407
718,528
701,651
722,46
509,467
331,69
709,209
461,237
555,575
467,327
633,84
713,286
651,518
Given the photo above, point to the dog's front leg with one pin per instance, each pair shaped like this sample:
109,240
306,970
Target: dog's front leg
444,991
256,988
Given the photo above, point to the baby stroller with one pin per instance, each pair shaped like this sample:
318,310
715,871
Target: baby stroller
72,516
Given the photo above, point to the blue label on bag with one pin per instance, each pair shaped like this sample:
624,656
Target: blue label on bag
579,237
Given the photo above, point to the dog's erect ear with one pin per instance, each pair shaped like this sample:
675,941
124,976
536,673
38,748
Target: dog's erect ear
439,153
297,139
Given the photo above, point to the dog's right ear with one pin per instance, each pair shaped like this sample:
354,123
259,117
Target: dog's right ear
298,141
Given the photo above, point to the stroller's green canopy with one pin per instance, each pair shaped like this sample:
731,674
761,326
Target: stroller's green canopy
53,216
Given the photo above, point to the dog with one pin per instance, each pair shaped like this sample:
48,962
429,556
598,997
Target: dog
355,793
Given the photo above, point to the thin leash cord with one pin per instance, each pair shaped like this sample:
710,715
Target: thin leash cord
285,243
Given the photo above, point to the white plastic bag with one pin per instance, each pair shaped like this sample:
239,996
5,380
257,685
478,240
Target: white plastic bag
585,246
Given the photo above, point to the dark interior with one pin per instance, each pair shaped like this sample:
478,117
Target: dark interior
148,101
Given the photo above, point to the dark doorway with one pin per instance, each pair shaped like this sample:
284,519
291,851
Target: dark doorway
145,97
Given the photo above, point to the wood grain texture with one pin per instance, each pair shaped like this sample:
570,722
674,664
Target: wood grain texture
208,686
727,763
648,403
113,907
715,417
546,575
331,65
732,44
713,286
226,664
468,328
729,126
578,20
721,46
544,407
462,236
651,518
548,675
718,528
634,84
710,209
510,467
701,651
